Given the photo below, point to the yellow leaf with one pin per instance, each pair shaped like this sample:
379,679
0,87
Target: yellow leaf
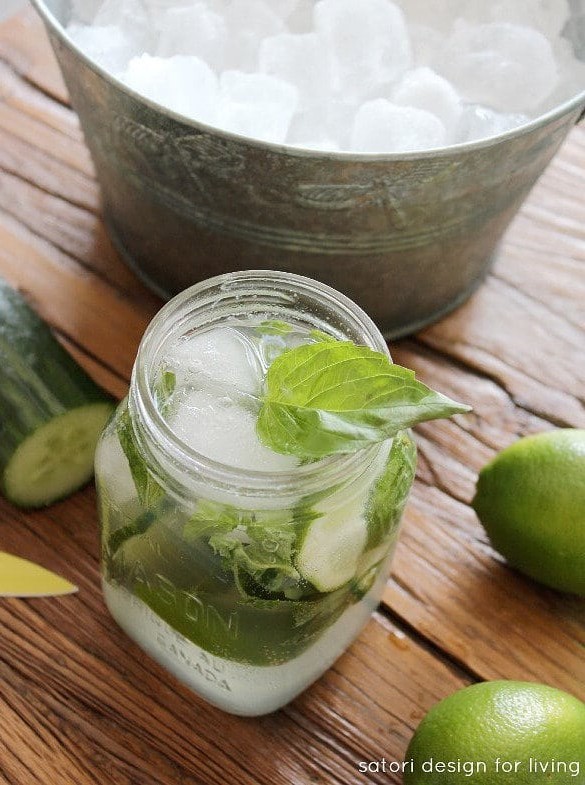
22,578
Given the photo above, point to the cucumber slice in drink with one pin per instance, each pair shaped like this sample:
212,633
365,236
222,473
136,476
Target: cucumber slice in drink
345,543
51,412
331,545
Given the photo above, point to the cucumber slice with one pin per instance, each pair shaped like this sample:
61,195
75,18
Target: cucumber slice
57,458
51,412
350,541
331,545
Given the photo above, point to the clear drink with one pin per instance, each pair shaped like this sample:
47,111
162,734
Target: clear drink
244,571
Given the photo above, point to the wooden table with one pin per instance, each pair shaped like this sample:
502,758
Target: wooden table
79,703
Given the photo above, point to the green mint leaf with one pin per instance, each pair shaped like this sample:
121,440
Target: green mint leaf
266,556
163,390
390,492
211,518
335,397
166,385
320,337
148,490
258,547
274,327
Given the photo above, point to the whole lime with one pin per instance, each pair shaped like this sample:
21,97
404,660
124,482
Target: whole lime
500,733
531,501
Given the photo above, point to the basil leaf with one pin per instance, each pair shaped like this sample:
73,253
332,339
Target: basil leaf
148,490
335,397
256,546
211,518
265,554
274,327
390,492
164,389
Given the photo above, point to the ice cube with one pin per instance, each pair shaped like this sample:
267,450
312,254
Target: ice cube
323,144
131,17
383,127
218,357
284,8
505,66
571,76
83,11
225,431
426,42
436,14
157,8
425,89
256,105
309,130
248,23
547,16
183,84
367,43
193,30
299,60
106,45
301,19
326,126
481,122
574,31
120,12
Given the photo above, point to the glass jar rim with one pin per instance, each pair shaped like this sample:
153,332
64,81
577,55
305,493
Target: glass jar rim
312,477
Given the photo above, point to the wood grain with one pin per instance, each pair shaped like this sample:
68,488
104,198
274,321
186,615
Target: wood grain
78,702
25,45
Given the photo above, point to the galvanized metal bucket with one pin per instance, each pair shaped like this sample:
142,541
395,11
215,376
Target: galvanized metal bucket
407,236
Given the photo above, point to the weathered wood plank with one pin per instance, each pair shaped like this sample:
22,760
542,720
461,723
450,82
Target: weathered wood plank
55,144
451,588
73,230
533,306
447,581
24,43
32,164
26,98
75,301
114,384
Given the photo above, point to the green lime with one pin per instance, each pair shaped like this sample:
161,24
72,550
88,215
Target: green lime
500,733
531,501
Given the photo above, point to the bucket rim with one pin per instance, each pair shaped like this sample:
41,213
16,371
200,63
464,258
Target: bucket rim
576,105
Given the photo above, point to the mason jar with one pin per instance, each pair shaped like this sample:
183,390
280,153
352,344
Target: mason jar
180,527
